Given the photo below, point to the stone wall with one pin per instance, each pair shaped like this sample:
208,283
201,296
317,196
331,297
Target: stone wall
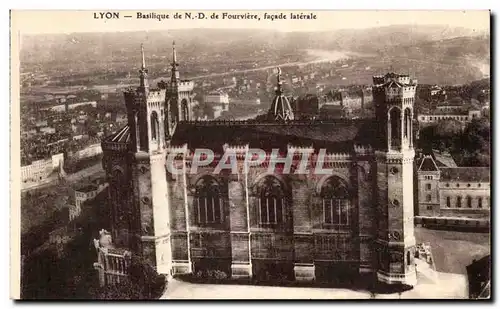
243,240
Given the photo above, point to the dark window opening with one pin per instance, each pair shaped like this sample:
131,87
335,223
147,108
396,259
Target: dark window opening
271,202
208,202
336,202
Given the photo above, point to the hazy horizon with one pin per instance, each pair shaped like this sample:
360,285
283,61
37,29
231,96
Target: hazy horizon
479,32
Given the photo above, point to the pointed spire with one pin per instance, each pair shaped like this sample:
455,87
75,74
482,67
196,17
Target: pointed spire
175,73
143,60
174,54
143,73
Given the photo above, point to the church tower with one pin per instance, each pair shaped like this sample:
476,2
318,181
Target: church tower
146,116
145,109
281,109
394,97
179,99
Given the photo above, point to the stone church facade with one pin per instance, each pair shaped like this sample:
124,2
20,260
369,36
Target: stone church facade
357,218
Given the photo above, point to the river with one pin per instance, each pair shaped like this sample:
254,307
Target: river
315,55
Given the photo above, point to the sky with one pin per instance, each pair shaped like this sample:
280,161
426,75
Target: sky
38,22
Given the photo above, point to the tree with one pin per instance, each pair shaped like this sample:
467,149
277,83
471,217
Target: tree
473,146
143,273
448,127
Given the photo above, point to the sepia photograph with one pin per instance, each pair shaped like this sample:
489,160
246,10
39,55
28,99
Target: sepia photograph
165,155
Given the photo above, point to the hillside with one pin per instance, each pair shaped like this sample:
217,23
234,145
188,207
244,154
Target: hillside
452,61
441,53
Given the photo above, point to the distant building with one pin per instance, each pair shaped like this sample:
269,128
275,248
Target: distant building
218,101
29,133
68,106
348,103
57,160
306,107
39,171
47,130
41,124
452,105
452,191
437,93
367,98
351,100
84,194
459,115
332,112
217,97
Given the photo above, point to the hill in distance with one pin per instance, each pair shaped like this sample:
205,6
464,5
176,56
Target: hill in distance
415,47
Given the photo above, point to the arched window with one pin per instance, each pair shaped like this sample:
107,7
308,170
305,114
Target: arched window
155,127
407,123
207,202
185,110
395,127
271,202
408,258
459,201
448,201
469,201
336,202
479,202
429,198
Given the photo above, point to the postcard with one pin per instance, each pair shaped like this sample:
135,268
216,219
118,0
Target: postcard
250,155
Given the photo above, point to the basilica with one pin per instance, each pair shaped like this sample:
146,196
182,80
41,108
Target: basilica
253,223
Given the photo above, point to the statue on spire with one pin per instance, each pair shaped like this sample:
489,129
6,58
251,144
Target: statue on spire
143,60
278,79
280,110
174,55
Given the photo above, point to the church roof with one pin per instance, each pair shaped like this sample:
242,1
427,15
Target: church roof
337,135
466,174
393,84
428,165
122,136
443,159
